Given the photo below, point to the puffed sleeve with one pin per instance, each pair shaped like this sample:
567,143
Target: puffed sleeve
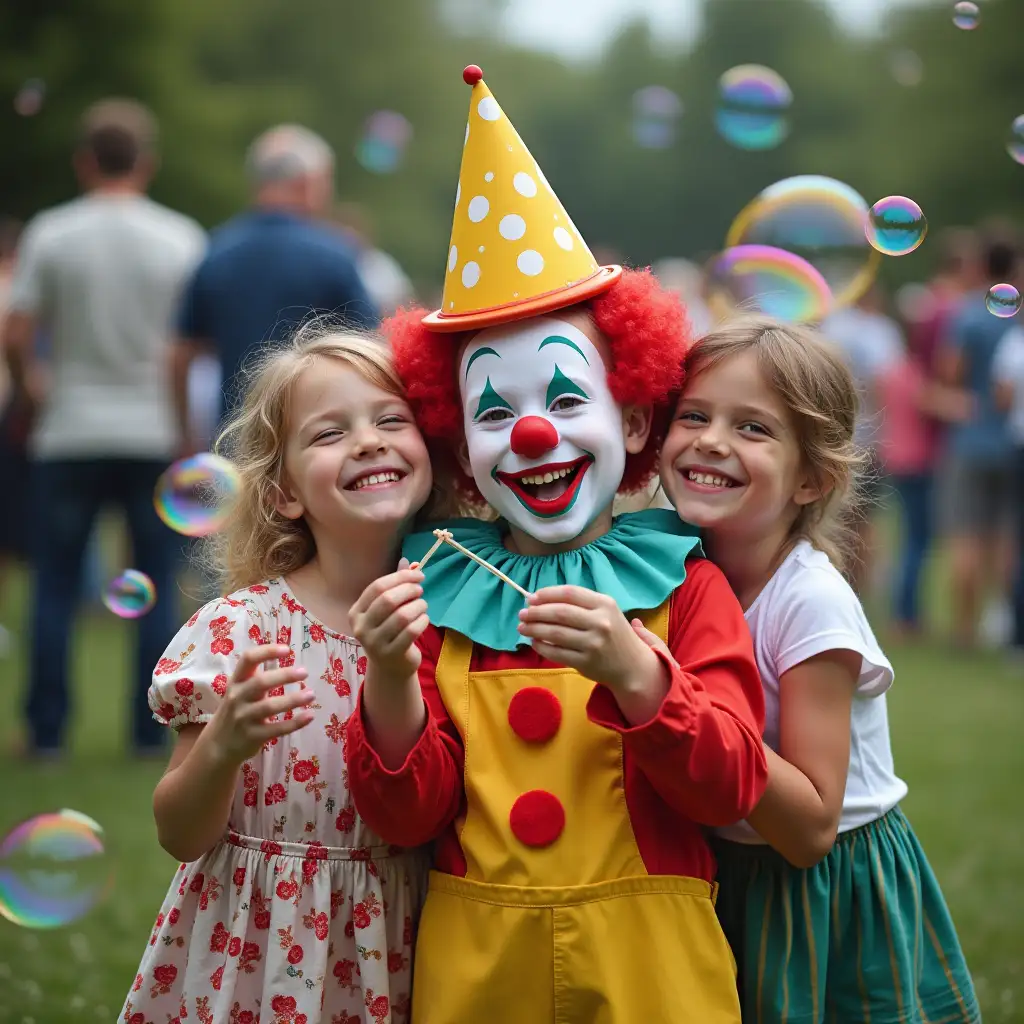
190,679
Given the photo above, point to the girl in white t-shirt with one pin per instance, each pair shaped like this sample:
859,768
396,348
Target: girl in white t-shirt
826,896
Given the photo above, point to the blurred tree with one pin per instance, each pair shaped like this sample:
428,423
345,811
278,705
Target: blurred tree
219,71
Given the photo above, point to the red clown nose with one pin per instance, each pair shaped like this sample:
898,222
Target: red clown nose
532,436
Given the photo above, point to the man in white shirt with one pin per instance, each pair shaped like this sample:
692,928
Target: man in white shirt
101,275
1008,371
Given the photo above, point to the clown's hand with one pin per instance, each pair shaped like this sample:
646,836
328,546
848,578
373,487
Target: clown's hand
586,631
652,640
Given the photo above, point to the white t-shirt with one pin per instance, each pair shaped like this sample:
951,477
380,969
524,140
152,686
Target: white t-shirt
103,274
1008,368
805,609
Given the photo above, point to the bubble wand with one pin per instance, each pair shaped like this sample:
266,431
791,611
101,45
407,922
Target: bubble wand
445,537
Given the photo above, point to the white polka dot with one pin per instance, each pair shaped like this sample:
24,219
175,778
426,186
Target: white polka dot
478,207
524,185
453,258
512,226
481,249
489,176
470,274
563,238
466,139
515,295
530,262
540,174
451,305
458,193
488,109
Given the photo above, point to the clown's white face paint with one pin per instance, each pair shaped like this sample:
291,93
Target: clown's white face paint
544,435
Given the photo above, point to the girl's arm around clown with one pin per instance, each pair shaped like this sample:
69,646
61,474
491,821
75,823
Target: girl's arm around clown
702,751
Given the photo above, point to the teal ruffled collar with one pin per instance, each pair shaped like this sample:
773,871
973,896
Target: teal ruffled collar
638,562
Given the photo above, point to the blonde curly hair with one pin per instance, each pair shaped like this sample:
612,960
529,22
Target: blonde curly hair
257,542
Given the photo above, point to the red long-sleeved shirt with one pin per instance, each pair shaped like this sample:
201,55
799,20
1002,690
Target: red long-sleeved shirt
698,762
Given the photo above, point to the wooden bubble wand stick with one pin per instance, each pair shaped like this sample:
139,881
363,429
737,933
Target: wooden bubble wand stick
445,537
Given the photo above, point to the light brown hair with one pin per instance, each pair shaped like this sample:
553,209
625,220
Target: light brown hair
818,391
117,132
258,542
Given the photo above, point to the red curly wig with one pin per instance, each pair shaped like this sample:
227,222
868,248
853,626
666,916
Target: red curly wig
646,328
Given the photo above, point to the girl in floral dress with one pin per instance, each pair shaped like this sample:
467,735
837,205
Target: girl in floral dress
286,909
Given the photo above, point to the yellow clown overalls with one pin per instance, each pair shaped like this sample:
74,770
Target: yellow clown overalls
574,931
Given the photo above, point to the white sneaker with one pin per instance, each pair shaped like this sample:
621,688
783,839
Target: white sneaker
996,626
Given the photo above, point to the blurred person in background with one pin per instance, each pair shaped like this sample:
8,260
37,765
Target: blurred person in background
686,279
872,343
1008,371
14,520
268,269
388,284
911,403
978,485
101,276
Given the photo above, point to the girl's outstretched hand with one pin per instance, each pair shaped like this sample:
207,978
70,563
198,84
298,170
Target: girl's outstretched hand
243,723
387,620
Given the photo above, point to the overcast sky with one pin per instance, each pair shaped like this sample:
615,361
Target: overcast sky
577,28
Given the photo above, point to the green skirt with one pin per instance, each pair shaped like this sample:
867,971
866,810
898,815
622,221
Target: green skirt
863,936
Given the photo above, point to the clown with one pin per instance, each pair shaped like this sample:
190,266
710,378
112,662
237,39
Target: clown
563,768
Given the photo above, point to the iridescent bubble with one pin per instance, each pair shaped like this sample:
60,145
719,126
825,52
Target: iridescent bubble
819,219
1015,143
1002,300
382,145
28,101
896,226
966,15
194,496
906,67
656,112
53,870
752,105
130,595
770,280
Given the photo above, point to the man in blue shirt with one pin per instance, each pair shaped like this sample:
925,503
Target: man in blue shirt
270,268
978,485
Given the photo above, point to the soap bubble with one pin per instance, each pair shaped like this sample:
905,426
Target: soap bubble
771,280
193,497
382,145
752,104
821,220
656,111
28,101
130,595
53,870
1002,300
896,226
966,15
1015,143
906,67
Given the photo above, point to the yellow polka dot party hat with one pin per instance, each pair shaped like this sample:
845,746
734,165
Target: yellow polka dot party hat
514,251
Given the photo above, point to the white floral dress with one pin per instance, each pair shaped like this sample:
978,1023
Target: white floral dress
300,914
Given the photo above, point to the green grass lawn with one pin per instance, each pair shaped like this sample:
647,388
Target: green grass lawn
956,723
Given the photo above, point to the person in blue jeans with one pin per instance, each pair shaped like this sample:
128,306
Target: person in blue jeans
100,276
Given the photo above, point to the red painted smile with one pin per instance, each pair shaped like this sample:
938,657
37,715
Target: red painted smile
548,490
